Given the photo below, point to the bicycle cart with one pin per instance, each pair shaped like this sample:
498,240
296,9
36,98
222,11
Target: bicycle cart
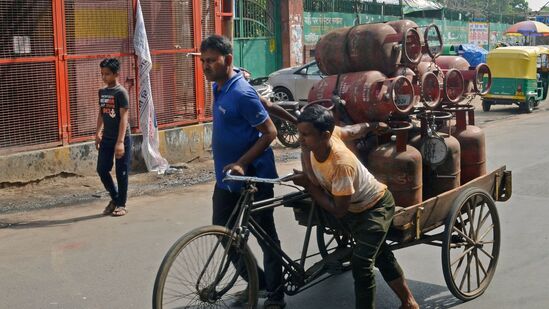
213,266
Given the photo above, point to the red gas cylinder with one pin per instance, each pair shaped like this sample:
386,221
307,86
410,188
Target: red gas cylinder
477,80
426,86
399,167
411,53
432,84
445,175
453,83
368,96
360,48
472,142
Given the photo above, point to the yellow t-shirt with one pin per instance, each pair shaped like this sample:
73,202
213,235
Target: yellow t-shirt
343,174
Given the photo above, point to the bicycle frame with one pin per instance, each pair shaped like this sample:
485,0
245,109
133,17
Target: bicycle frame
296,278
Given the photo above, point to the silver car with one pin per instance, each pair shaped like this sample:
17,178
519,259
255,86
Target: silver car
293,84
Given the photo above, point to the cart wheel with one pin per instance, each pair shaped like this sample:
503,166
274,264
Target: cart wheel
470,247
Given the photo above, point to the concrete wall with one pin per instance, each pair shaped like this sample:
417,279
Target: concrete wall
176,145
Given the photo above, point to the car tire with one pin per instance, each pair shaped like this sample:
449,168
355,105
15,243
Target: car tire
486,106
282,94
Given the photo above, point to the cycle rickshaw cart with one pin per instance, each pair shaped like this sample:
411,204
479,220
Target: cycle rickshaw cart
213,266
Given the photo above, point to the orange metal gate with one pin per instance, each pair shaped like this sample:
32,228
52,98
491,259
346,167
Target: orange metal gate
49,65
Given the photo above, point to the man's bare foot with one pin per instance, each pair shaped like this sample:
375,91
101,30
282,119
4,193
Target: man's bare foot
410,305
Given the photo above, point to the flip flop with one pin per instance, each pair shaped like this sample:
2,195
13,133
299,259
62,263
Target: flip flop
119,212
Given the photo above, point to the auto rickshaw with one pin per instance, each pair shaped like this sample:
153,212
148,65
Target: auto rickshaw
519,76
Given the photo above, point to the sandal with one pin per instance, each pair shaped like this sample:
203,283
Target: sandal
119,212
109,209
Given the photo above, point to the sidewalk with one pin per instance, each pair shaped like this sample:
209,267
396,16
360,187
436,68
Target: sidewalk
70,190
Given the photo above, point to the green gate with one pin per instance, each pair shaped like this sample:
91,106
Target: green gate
257,36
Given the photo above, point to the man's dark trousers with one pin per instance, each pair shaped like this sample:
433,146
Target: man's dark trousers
224,203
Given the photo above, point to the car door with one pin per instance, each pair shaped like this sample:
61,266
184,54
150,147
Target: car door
305,79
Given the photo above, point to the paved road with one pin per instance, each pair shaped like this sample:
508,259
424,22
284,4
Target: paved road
73,258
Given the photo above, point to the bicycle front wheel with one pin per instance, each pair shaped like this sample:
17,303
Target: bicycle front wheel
206,269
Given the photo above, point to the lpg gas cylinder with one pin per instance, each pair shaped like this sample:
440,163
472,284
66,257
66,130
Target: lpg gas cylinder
411,53
446,176
432,84
360,48
459,63
399,167
441,155
413,78
477,79
453,80
368,96
472,142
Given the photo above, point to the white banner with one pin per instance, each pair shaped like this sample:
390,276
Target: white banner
147,117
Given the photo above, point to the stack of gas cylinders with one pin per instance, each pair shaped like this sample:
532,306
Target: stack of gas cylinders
393,72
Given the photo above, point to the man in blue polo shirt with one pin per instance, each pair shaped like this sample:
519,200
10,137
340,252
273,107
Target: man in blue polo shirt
241,138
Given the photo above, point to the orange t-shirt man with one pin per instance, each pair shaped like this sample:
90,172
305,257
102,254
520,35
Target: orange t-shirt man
343,174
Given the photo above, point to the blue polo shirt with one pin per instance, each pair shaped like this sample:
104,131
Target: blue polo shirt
236,112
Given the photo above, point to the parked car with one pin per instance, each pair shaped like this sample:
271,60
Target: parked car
293,84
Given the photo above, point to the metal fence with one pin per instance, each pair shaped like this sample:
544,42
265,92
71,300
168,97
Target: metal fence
49,65
381,8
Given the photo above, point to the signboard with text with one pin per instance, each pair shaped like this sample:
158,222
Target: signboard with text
478,33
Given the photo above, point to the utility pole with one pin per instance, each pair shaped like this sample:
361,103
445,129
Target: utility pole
400,3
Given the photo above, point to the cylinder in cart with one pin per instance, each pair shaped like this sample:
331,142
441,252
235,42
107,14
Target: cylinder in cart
444,177
368,96
399,167
472,142
361,48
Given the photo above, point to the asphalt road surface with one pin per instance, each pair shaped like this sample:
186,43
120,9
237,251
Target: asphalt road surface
72,257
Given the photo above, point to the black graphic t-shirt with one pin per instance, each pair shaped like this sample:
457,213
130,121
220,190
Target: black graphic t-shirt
110,102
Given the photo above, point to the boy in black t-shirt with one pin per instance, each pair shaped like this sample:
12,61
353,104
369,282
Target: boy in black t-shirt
113,137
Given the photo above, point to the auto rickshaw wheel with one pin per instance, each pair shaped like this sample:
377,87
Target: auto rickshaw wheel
486,106
529,105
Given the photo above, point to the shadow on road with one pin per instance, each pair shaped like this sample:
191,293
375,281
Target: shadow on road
338,292
46,223
430,296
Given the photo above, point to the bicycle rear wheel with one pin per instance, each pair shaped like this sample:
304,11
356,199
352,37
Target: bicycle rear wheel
187,275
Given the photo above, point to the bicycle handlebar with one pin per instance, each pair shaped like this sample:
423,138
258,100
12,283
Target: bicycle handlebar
230,177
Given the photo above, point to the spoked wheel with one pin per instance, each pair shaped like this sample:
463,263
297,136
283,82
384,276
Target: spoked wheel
330,239
471,244
287,134
200,271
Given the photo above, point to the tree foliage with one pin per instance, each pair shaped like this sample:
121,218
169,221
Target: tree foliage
486,7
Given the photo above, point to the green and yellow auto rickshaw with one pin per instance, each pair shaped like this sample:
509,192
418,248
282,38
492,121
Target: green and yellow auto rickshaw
519,76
